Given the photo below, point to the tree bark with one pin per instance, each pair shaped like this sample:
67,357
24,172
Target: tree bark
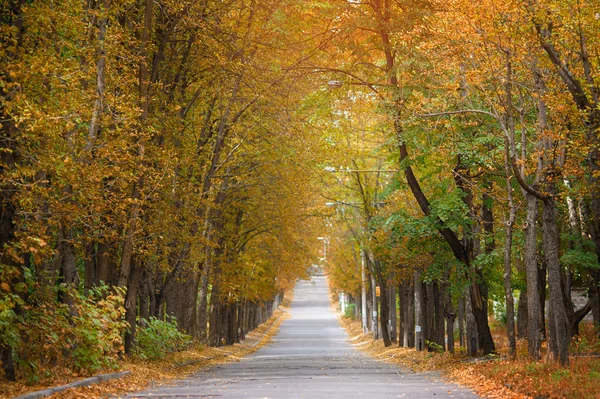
461,323
403,312
559,327
131,306
383,305
419,312
392,310
508,233
95,122
522,314
439,318
533,292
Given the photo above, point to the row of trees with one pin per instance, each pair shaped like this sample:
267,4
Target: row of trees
153,146
490,113
162,155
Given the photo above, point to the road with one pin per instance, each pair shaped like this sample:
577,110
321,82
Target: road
310,357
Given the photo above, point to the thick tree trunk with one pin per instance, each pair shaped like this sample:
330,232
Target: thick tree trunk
508,293
68,271
471,334
406,336
439,317
384,308
402,312
429,318
13,17
181,300
450,317
393,321
131,306
215,314
533,292
558,324
449,313
106,266
144,296
594,290
542,283
462,334
522,315
419,312
375,307
95,122
369,305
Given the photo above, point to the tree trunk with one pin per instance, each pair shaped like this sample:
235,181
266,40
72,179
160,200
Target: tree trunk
522,315
508,294
471,336
419,312
533,291
558,325
8,157
462,334
449,312
69,273
542,283
429,302
439,318
131,306
95,122
406,336
384,306
392,311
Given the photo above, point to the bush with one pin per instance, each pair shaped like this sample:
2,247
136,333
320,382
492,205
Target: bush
350,311
160,338
434,347
50,337
98,329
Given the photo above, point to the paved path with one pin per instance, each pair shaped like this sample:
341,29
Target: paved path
309,358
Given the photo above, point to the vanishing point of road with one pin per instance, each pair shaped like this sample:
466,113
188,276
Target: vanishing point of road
309,358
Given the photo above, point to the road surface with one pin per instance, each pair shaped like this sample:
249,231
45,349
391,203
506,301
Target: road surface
309,358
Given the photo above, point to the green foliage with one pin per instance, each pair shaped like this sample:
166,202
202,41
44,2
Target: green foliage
560,374
435,347
580,258
500,312
350,311
451,209
87,338
9,300
98,329
159,338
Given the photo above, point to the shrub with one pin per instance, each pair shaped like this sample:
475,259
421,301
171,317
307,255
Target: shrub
350,311
434,347
50,337
160,338
98,329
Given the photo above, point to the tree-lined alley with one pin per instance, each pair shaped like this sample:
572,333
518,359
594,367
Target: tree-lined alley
169,162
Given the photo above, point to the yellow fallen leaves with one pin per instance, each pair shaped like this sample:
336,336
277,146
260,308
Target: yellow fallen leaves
452,366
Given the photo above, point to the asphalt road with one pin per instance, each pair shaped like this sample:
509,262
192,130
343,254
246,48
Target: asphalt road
309,358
